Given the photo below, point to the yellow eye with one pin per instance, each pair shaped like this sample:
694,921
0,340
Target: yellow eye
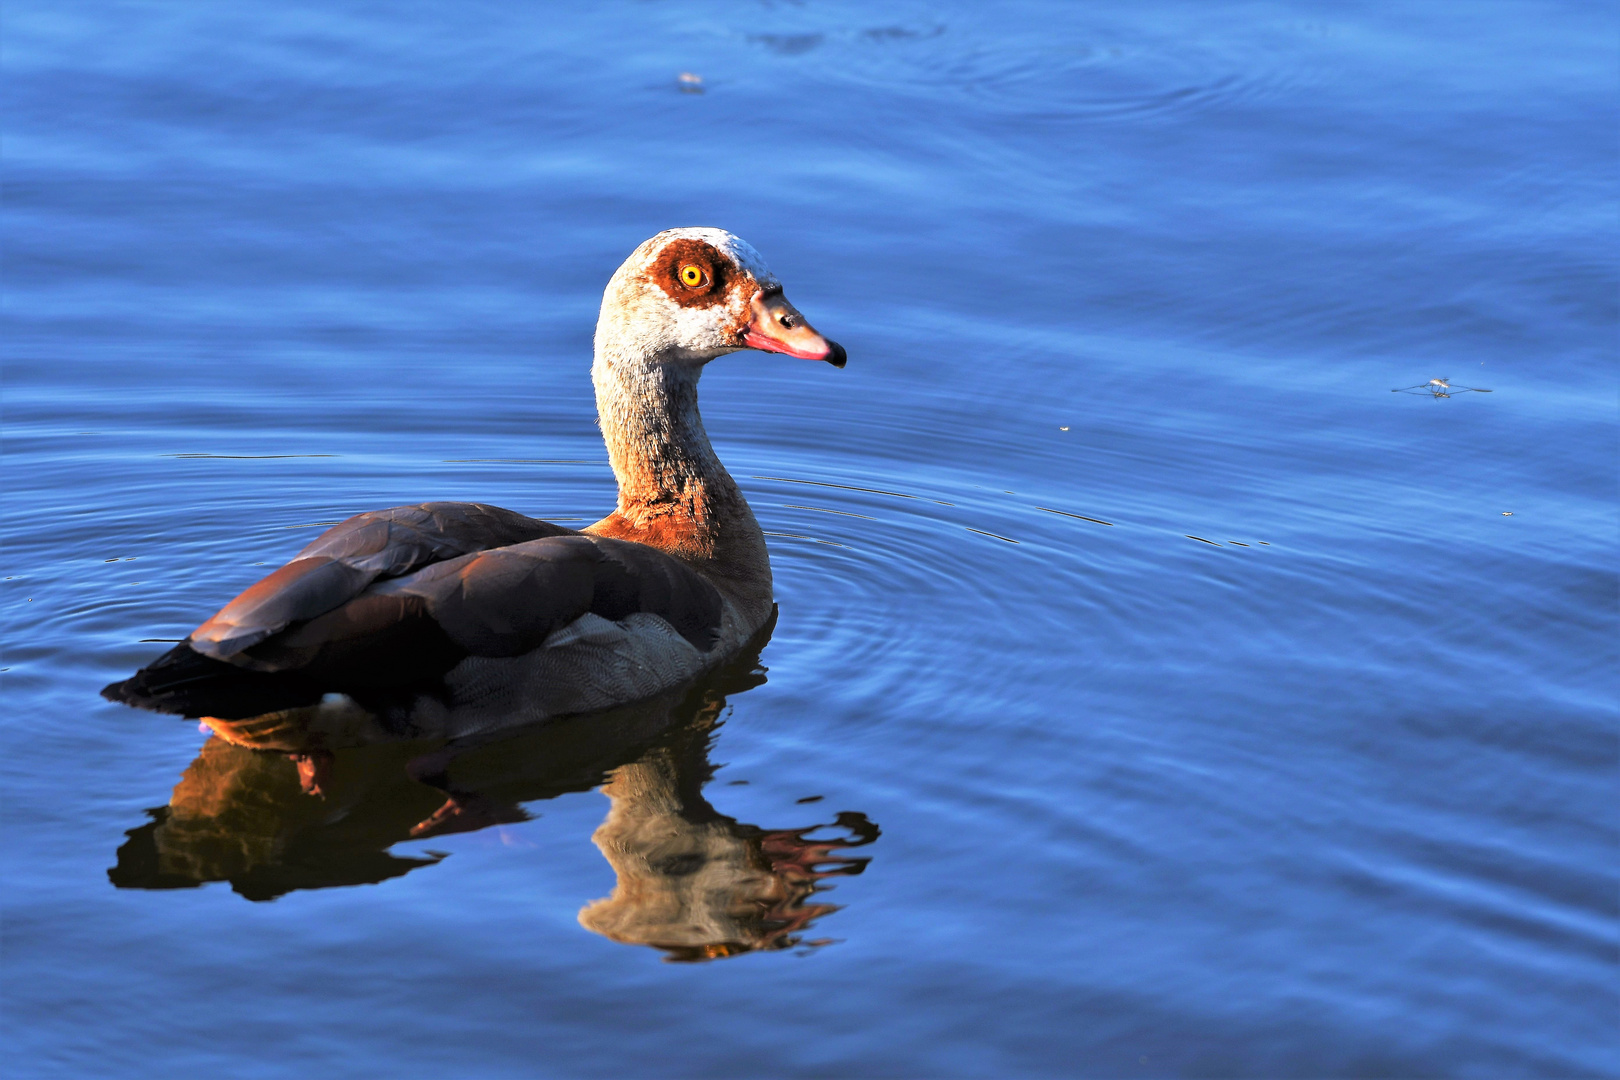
692,276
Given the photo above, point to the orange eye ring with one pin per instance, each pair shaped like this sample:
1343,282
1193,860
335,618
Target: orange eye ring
693,276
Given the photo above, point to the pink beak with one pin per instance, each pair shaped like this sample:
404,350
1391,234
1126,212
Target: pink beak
777,326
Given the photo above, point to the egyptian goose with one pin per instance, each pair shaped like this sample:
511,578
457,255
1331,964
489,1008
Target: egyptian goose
485,612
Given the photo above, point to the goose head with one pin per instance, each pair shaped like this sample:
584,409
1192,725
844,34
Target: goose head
687,296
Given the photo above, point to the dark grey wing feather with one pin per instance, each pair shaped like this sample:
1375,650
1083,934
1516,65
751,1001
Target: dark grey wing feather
395,542
503,602
340,563
302,588
393,599
634,577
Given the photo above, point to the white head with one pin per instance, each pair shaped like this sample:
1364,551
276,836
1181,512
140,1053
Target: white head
690,295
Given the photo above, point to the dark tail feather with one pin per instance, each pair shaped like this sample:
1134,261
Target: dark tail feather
189,684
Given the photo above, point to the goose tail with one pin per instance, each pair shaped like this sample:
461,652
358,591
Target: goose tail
186,683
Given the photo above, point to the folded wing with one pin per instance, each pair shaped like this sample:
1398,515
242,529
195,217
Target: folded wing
398,597
345,559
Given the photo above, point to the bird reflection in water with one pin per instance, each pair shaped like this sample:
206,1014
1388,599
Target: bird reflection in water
310,799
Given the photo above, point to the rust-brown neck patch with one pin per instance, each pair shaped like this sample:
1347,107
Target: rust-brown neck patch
712,280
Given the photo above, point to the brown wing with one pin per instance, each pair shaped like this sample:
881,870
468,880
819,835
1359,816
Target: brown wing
501,602
372,633
340,563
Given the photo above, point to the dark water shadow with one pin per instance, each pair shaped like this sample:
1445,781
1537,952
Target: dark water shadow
281,803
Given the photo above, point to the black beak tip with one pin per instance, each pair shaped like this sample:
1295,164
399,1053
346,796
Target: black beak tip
837,357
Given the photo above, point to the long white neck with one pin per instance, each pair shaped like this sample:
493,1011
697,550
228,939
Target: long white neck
660,453
673,492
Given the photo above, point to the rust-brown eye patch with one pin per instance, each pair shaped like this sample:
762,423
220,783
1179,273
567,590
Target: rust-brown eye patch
692,272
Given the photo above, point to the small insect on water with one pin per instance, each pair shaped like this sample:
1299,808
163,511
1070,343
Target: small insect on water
1439,388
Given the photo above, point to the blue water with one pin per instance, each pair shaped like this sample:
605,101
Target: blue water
1340,802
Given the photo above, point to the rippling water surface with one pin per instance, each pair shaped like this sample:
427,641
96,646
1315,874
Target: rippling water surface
1153,693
